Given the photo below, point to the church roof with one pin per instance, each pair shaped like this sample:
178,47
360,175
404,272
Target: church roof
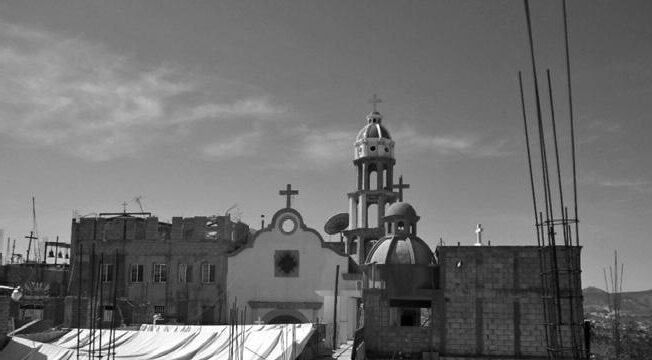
391,250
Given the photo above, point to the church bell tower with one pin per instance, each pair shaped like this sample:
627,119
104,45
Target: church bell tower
374,161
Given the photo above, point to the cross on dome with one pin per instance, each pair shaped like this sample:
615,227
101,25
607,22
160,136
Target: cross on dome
375,100
288,192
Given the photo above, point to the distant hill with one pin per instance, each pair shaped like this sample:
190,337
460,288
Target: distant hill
637,304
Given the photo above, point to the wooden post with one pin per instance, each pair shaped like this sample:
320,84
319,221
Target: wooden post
337,278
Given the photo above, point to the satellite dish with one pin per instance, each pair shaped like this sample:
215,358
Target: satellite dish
337,223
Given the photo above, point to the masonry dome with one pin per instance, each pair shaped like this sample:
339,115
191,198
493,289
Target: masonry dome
374,128
401,210
392,250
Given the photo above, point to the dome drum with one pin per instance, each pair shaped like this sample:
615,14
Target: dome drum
374,147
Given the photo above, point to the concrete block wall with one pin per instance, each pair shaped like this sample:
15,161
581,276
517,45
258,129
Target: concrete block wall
492,301
384,338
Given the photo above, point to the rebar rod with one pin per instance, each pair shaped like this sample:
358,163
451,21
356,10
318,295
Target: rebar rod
556,144
529,154
572,124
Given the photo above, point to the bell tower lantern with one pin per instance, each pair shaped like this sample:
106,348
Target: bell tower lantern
374,161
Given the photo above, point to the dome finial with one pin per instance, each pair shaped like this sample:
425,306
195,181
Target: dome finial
375,100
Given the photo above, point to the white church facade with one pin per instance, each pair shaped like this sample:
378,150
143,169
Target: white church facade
287,274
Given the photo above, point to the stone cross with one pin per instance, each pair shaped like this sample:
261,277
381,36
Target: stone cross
478,231
259,322
375,100
288,192
124,207
400,186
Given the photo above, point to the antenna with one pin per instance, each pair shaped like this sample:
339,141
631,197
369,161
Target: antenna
139,200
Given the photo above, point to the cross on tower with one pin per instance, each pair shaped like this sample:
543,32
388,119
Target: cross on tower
288,192
375,100
400,186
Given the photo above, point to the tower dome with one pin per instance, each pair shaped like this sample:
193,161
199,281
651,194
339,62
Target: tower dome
400,210
374,128
401,245
373,139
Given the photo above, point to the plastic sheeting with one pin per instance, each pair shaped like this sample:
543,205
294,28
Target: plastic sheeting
182,342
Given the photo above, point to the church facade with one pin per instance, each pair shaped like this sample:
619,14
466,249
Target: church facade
288,274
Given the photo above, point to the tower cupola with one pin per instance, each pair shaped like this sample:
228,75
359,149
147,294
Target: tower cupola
373,139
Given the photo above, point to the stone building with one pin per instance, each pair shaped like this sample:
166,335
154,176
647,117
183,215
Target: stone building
174,269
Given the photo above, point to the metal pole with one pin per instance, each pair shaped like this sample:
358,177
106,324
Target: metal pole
113,303
101,301
79,257
337,278
529,156
572,125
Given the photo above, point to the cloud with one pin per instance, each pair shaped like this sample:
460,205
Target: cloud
641,185
327,147
412,142
239,146
81,98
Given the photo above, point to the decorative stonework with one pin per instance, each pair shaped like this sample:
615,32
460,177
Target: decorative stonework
287,224
286,263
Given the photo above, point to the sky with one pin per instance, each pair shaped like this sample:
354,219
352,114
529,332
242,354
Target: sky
199,105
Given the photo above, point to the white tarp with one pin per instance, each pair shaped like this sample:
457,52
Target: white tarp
170,342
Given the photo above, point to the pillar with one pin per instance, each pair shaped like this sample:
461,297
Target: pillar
379,176
362,211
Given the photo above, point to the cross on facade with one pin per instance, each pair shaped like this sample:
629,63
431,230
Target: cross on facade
288,192
400,186
375,100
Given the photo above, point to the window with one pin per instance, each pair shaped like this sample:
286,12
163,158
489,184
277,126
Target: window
107,273
415,313
159,309
207,273
108,313
159,273
286,263
136,273
185,273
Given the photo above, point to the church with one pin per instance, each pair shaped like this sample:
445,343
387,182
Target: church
382,286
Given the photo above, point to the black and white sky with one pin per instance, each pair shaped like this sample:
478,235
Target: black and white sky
199,105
